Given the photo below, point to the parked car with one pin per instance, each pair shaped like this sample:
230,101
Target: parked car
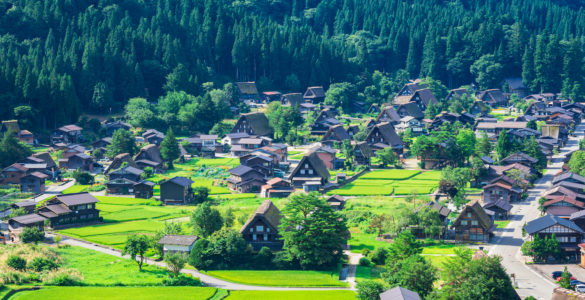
580,288
576,282
558,274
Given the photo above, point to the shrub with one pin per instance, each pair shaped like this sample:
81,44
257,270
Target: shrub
379,255
83,178
364,262
181,280
13,278
264,258
366,252
369,290
32,235
175,262
67,277
39,264
16,262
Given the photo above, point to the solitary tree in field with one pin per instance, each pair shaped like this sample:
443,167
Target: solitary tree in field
32,235
137,245
206,220
175,262
169,148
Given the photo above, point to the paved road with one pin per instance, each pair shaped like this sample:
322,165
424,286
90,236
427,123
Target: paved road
509,240
208,280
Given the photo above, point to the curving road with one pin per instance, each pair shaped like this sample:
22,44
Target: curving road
208,280
509,240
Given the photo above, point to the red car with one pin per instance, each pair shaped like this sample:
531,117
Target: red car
559,278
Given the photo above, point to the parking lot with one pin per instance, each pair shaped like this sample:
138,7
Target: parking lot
546,270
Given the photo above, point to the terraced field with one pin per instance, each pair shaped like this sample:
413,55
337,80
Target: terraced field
391,182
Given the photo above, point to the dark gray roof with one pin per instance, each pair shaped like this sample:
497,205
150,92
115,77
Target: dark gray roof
28,219
389,134
503,204
240,170
577,215
413,110
443,211
399,293
77,198
182,240
542,223
184,181
568,175
258,122
364,149
487,160
317,164
389,112
128,169
145,182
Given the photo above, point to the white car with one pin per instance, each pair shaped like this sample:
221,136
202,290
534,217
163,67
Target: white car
580,288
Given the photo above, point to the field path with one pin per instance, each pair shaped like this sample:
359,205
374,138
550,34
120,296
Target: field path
208,280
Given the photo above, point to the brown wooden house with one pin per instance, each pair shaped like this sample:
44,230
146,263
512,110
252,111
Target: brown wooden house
261,229
309,170
566,232
254,123
473,224
245,179
71,210
176,190
314,94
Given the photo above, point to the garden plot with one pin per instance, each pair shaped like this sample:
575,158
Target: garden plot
388,182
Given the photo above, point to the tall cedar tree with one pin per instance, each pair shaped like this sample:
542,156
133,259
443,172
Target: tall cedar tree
12,150
313,232
169,148
122,142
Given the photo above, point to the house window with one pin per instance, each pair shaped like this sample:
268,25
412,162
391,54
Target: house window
267,229
302,172
306,166
474,222
311,172
254,237
251,229
469,215
464,222
260,228
265,237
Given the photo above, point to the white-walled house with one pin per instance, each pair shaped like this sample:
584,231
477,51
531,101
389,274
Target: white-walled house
178,243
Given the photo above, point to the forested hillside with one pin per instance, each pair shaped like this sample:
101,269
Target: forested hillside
61,57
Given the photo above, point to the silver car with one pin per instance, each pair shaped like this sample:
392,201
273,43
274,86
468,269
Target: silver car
580,288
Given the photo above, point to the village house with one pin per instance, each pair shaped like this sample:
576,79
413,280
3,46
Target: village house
409,122
337,202
442,210
388,114
22,135
310,171
562,206
176,190
79,161
515,85
271,96
28,206
323,122
422,98
493,129
261,229
234,138
362,154
410,109
457,93
17,224
12,174
118,161
276,188
519,157
473,224
102,143
149,156
248,91
479,108
373,109
245,179
67,134
261,163
71,210
566,232
178,243
335,134
33,183
568,177
382,136
113,126
305,108
153,136
327,156
500,209
292,99
314,94
144,189
254,123
563,191
575,187
399,293
494,98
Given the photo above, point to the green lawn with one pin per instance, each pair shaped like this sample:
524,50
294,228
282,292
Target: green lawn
281,277
123,216
502,224
360,241
92,293
368,273
107,270
388,182
441,249
292,295
397,174
76,189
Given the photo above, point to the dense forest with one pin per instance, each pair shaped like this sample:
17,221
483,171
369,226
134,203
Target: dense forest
59,58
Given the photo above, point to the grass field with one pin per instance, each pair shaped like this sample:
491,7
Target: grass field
502,224
281,278
107,270
76,189
388,182
87,293
123,216
292,295
368,273
360,241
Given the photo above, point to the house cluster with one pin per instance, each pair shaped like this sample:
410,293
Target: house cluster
563,206
30,173
62,211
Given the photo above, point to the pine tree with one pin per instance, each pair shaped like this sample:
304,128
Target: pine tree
169,148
